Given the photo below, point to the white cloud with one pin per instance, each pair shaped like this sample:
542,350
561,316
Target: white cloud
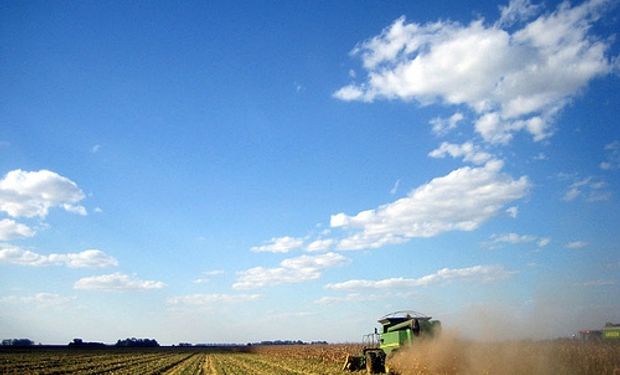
349,93
279,245
39,299
211,300
442,126
612,153
321,245
595,283
9,229
461,200
292,270
517,11
499,240
95,149
576,245
32,194
512,80
513,211
207,276
540,156
394,188
468,151
116,282
512,238
542,242
484,273
87,258
591,189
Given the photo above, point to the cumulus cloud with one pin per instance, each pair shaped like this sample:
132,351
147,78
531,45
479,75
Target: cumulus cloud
292,270
32,194
484,273
39,299
211,300
468,151
499,240
279,245
9,229
88,258
116,282
461,200
511,80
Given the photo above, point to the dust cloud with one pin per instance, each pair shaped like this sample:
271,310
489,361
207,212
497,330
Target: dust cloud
450,354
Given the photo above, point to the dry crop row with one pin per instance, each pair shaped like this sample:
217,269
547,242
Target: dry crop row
292,361
100,362
445,356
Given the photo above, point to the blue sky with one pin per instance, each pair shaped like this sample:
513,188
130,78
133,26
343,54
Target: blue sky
217,172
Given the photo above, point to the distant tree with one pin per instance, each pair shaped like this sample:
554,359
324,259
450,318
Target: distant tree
79,343
137,343
17,342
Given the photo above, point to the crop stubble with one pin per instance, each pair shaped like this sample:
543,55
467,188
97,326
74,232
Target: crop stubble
441,357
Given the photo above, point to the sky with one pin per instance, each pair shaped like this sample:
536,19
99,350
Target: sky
220,172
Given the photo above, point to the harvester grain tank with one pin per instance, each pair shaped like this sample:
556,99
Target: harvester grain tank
398,330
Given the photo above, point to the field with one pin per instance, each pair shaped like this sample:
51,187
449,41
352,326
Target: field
301,360
441,357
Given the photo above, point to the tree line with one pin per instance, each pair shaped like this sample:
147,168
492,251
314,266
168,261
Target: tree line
79,343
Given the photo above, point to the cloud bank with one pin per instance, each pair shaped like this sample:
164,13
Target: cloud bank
87,258
116,282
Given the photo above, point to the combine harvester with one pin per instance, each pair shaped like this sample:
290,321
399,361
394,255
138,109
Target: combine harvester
398,330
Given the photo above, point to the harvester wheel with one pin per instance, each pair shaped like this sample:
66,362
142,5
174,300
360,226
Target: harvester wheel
352,363
374,362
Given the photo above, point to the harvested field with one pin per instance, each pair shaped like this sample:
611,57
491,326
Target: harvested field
446,356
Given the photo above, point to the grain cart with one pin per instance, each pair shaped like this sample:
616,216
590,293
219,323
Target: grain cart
398,329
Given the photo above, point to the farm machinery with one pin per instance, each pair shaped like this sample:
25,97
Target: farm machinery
399,329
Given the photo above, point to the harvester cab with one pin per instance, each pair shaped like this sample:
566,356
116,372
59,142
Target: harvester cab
398,329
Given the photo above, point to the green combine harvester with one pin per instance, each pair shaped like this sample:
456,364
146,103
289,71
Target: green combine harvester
398,330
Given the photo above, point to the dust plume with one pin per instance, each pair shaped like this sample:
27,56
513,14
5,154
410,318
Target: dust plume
449,354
